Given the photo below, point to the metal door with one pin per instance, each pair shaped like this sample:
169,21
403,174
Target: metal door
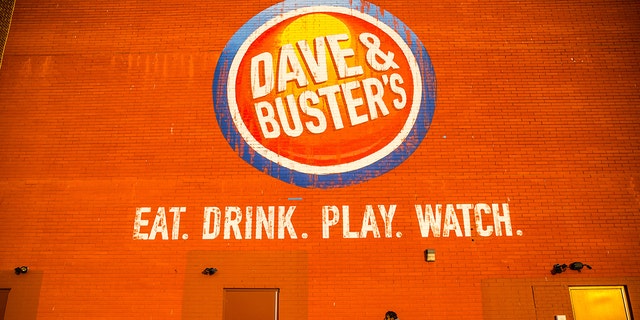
599,303
250,304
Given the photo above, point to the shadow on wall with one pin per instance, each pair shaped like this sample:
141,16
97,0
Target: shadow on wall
286,271
542,298
23,294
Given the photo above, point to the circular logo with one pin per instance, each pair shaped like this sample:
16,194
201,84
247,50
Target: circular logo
324,93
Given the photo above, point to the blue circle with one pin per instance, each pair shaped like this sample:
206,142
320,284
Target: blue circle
378,168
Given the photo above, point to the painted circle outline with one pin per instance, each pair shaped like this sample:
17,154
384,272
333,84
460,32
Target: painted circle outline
332,169
368,167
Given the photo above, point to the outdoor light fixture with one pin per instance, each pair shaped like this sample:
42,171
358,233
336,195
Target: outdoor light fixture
209,271
21,270
558,268
578,266
430,255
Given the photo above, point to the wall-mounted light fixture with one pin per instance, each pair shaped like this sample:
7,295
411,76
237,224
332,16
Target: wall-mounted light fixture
209,271
430,255
560,268
578,266
21,270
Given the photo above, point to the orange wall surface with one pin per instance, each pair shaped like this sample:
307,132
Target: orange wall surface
108,127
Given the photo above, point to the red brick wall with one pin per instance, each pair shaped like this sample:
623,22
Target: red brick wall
106,107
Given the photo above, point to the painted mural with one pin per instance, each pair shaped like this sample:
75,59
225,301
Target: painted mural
324,94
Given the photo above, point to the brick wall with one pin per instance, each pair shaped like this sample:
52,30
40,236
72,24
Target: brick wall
106,107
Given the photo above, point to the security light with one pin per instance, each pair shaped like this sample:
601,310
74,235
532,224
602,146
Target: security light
558,268
578,266
430,255
209,271
21,270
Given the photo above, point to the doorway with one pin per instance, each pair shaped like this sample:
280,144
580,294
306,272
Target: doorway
4,296
250,304
599,302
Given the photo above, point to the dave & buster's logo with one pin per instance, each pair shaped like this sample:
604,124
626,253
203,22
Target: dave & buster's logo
324,93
